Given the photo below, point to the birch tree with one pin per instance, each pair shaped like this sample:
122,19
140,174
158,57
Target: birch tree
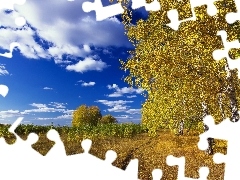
176,66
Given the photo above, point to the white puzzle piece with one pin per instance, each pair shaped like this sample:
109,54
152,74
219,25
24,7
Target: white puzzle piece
223,53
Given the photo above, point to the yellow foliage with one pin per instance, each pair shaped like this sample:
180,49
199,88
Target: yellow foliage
86,115
181,65
108,119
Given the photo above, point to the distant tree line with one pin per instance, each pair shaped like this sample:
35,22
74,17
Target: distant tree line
90,115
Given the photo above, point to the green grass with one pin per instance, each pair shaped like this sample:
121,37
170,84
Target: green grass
130,141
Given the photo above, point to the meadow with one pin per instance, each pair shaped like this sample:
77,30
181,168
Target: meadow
130,141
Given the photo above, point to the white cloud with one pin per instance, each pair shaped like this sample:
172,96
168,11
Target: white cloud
119,106
116,106
37,105
88,64
125,90
129,118
113,103
68,111
134,111
43,118
47,88
124,117
88,84
68,29
43,108
114,86
3,70
86,48
59,61
64,116
105,51
57,105
10,113
91,83
133,96
115,95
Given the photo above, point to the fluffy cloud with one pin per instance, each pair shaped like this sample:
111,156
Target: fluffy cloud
62,27
47,88
133,96
125,90
65,116
58,105
10,113
43,108
88,84
129,118
40,108
3,70
86,48
88,64
37,105
134,111
118,106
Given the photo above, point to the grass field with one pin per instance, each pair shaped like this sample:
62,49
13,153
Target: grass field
150,151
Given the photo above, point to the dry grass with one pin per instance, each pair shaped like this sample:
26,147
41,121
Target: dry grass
151,152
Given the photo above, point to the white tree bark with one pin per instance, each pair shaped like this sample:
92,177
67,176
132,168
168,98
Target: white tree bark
209,151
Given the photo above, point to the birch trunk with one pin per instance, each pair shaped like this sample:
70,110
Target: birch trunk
181,127
209,151
232,96
221,106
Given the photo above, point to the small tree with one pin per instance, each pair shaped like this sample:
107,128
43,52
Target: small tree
108,119
86,115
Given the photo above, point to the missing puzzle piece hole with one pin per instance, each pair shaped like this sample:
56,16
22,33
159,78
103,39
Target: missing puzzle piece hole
86,145
157,174
110,156
3,90
219,158
53,135
174,161
203,145
32,138
203,172
12,47
87,7
20,21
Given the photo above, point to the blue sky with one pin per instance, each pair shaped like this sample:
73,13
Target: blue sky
66,58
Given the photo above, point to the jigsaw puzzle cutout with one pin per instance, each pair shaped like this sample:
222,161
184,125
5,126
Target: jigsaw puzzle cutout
102,12
180,162
115,9
9,5
234,16
224,53
19,21
21,151
3,90
11,48
153,6
229,131
173,14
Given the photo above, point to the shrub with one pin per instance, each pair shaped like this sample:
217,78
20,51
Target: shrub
86,115
108,119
